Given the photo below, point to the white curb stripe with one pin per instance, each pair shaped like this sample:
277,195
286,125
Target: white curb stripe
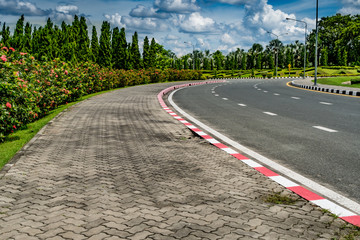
252,163
284,181
334,208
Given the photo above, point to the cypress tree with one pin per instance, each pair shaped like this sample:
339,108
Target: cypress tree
18,36
27,38
83,40
105,42
5,35
146,49
115,48
94,45
123,51
152,54
135,52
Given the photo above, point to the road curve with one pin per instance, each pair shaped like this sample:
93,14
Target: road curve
314,134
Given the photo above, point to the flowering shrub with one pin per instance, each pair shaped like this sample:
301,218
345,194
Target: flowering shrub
30,89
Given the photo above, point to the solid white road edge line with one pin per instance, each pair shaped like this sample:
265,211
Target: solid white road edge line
328,193
270,113
326,103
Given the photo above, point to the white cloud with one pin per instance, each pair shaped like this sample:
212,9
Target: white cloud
144,12
115,20
64,13
227,39
21,7
350,7
195,23
170,37
177,6
141,25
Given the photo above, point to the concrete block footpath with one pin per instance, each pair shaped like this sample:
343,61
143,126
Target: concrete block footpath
117,166
308,84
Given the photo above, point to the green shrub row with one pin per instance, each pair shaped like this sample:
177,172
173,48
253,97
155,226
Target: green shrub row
29,89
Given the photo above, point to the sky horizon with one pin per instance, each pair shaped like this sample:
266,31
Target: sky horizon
181,25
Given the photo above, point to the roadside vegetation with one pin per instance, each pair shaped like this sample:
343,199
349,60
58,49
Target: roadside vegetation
43,68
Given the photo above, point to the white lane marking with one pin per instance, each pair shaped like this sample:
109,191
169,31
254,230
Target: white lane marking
225,99
216,95
265,91
259,89
276,94
213,92
328,193
241,104
325,129
270,113
295,97
326,103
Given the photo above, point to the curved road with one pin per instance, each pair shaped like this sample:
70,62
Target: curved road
311,133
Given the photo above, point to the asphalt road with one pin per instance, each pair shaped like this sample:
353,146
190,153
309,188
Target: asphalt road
311,133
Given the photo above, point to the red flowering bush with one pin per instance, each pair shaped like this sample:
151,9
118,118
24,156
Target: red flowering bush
30,89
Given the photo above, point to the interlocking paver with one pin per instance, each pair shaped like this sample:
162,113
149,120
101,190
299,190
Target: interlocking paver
117,166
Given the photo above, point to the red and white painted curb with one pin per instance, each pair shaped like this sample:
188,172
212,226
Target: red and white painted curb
336,209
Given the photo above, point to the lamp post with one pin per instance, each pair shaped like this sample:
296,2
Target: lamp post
316,42
193,53
277,50
304,42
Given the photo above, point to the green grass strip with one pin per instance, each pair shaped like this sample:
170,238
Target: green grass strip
337,81
17,140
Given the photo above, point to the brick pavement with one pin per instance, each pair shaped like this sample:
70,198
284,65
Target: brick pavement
117,166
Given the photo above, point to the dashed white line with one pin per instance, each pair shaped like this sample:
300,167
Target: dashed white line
325,129
276,94
326,103
265,91
241,104
225,99
270,113
295,97
216,95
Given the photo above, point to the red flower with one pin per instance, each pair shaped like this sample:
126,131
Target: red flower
14,127
22,53
12,49
5,48
8,105
66,72
3,57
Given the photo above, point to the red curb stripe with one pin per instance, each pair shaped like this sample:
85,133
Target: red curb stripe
353,220
267,172
239,156
220,145
301,191
305,193
207,137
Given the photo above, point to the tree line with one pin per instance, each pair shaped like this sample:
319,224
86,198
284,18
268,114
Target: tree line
339,45
72,43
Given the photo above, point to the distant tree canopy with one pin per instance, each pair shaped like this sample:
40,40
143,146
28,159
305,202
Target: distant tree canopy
339,44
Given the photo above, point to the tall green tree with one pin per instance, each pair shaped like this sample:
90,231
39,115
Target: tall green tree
27,38
152,53
5,35
146,53
94,49
105,45
18,37
135,52
83,40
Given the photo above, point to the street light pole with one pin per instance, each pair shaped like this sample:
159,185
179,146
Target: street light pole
316,42
277,50
304,42
193,54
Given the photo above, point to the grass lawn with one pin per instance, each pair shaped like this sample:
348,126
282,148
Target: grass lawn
17,140
338,81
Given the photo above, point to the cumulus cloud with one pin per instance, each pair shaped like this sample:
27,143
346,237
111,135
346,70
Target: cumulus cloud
195,23
170,37
176,6
21,7
141,25
64,13
227,39
350,7
144,12
115,19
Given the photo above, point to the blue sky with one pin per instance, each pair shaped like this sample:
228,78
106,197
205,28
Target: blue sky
181,25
